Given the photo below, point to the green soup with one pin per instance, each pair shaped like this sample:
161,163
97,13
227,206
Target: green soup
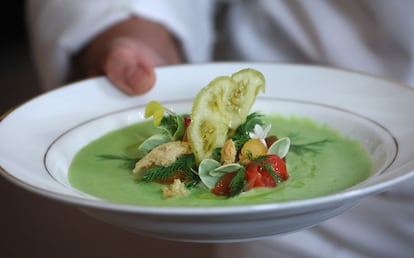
333,163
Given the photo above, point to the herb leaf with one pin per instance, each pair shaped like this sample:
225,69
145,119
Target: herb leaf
128,163
173,125
313,147
172,128
185,164
238,183
272,172
217,153
241,135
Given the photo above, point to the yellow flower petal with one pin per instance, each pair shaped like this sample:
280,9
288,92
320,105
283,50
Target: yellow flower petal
156,110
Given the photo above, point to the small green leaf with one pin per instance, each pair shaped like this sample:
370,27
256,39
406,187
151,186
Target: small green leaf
210,171
154,141
179,132
228,168
280,147
173,125
207,165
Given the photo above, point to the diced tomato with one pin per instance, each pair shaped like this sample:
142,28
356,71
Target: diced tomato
258,176
266,180
278,165
252,173
187,122
222,186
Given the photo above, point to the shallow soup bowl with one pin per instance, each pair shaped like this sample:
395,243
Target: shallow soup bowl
40,138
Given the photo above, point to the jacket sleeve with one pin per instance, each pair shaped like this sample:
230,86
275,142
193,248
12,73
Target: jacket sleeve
58,29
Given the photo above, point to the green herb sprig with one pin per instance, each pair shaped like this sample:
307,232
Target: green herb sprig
241,135
314,147
185,164
238,183
127,163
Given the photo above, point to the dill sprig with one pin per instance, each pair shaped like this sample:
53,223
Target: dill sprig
241,136
312,147
217,153
258,159
127,163
185,164
272,172
238,183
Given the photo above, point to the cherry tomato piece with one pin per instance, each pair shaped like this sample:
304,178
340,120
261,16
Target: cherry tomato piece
278,165
252,173
266,180
222,186
257,176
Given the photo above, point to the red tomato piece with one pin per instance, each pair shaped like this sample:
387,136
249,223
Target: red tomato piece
266,179
187,121
252,173
222,186
278,165
258,176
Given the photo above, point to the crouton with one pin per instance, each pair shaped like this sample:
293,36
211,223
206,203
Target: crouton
177,188
228,152
163,155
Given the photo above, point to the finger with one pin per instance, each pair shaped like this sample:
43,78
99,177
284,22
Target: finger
139,78
127,73
130,67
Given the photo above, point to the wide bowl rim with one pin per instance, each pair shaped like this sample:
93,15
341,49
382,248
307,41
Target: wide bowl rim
336,198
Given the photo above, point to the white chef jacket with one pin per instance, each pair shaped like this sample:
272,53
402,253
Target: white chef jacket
375,36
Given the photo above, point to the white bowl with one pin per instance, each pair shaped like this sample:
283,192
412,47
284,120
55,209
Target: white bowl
39,139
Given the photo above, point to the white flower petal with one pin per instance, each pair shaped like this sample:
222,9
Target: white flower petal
267,130
259,132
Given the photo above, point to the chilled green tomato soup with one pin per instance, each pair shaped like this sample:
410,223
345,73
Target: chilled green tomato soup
321,162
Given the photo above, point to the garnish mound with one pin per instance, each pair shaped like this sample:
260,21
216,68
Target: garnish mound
219,146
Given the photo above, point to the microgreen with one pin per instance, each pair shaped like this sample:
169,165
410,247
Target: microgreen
238,183
280,147
128,163
183,164
172,126
272,172
312,147
210,171
241,135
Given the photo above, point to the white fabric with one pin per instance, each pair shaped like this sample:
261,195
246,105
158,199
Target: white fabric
60,28
378,227
376,36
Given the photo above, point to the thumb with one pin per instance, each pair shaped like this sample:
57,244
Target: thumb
130,65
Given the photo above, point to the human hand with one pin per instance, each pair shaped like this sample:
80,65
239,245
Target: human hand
129,65
128,52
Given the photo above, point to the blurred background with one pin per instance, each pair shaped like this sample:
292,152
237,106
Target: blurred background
34,226
17,76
